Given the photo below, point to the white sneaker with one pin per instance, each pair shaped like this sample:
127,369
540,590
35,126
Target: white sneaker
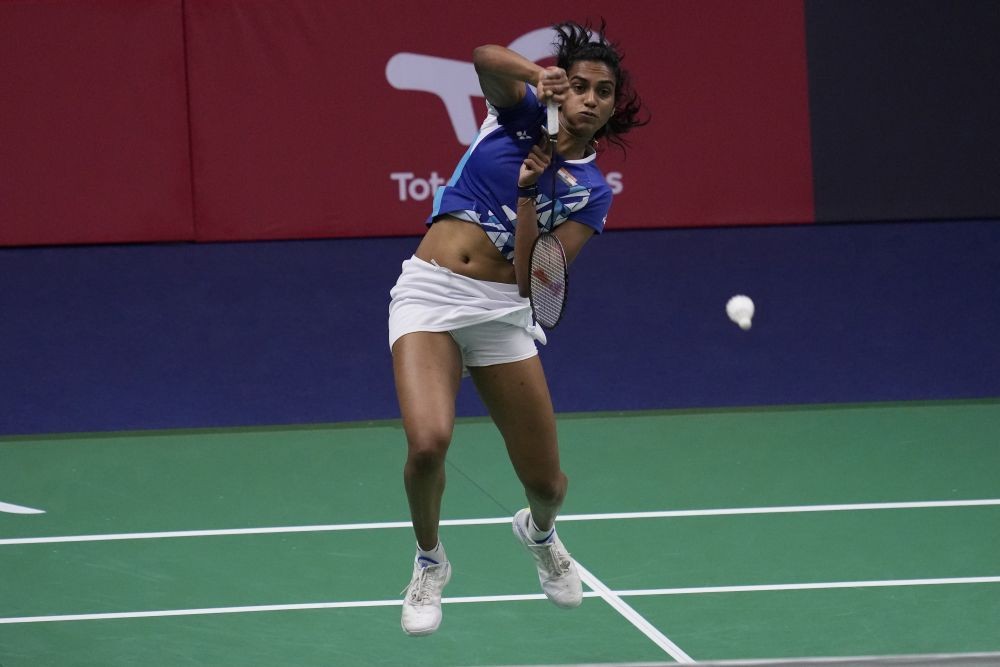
422,604
556,570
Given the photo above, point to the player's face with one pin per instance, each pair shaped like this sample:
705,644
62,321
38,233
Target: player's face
591,98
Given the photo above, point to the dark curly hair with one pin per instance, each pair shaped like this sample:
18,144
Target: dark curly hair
575,42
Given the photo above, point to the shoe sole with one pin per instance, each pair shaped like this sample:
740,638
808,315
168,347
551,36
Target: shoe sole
420,633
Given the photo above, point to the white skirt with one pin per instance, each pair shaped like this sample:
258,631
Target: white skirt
428,297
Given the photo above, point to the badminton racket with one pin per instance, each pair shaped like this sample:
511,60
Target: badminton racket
549,280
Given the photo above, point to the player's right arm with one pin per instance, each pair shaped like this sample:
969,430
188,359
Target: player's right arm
503,74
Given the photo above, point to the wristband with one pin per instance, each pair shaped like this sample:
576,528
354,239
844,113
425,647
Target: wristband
529,191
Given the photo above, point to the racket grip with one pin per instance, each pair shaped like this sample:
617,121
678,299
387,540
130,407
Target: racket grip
552,119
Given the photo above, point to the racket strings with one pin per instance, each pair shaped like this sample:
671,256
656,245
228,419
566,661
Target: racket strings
548,280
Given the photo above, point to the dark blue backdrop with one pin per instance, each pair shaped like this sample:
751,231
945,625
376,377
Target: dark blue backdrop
166,336
903,108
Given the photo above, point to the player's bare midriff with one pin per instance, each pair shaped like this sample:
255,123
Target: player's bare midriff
464,248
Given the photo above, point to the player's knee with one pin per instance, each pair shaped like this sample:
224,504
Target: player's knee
426,452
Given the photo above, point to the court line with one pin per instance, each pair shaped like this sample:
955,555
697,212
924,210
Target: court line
665,514
633,617
975,659
496,598
263,608
11,508
789,509
757,588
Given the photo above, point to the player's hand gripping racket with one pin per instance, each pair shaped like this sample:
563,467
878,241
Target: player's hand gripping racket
549,277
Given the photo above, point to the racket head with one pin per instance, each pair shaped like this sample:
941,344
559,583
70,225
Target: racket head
549,284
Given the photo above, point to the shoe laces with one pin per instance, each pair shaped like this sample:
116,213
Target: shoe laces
555,561
418,591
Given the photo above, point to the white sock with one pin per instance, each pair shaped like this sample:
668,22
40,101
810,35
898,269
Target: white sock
432,557
537,535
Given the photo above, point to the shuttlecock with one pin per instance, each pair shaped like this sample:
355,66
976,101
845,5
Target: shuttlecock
740,310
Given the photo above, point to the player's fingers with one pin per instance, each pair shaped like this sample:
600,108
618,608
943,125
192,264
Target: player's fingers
546,151
540,154
532,163
553,84
556,84
543,147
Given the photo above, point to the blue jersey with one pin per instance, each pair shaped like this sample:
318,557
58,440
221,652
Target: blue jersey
483,188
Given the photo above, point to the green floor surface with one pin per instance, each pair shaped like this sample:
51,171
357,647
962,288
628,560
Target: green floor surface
344,474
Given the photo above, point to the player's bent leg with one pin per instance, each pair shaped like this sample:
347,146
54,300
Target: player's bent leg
518,399
428,370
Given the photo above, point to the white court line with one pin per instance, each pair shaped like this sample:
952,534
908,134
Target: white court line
633,617
851,507
494,598
903,660
10,508
263,608
811,586
666,514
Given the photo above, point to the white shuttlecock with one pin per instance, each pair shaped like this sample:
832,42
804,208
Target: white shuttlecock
740,310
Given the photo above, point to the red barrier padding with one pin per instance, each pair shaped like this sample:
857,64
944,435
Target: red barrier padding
312,118
93,123
730,142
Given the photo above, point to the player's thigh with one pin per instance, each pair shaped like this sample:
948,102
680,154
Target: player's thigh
428,371
517,397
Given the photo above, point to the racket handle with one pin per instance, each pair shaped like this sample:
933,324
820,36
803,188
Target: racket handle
552,119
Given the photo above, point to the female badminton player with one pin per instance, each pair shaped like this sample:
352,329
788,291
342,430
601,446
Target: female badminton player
460,307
